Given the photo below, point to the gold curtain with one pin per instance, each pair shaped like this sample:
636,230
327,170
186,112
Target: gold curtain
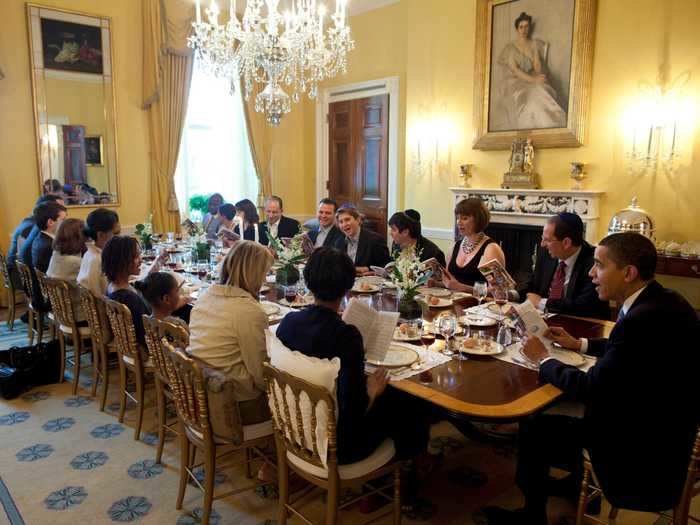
260,140
167,73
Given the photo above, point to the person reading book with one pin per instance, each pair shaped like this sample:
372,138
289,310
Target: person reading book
227,223
405,230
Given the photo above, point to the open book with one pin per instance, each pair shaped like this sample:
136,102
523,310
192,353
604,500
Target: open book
377,328
434,265
227,235
496,275
384,272
528,322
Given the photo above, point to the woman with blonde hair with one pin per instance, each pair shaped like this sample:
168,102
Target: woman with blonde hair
227,326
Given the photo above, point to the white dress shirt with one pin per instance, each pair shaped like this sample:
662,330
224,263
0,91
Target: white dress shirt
323,232
272,228
353,242
90,275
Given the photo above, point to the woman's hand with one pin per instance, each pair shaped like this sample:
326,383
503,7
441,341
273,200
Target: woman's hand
562,337
363,270
376,383
450,282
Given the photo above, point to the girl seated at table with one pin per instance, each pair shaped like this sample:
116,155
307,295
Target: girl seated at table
227,327
247,214
162,293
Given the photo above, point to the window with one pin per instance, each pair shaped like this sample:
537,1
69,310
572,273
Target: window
215,154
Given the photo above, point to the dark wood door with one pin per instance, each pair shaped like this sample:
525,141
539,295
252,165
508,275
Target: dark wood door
75,168
358,171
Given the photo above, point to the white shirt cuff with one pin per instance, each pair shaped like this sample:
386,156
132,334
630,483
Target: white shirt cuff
584,345
542,304
548,358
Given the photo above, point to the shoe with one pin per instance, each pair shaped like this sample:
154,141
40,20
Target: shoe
499,516
569,489
24,318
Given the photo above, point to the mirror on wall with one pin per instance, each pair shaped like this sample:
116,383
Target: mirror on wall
74,105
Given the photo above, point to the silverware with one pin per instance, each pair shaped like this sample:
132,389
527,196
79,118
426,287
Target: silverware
524,363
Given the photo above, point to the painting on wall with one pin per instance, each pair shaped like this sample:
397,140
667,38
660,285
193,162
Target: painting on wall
68,46
533,72
93,150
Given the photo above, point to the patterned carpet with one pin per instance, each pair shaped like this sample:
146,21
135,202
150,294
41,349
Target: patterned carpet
62,461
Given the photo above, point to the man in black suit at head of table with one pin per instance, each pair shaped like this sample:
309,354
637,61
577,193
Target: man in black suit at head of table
277,225
326,233
560,280
640,418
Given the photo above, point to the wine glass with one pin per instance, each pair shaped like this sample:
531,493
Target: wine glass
500,295
427,337
467,334
446,325
480,290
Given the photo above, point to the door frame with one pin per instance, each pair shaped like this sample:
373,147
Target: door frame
383,86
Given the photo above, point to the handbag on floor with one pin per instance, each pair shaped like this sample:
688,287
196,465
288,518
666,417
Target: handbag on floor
22,368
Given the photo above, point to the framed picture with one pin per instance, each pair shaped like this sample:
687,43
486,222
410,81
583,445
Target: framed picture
534,60
68,46
94,150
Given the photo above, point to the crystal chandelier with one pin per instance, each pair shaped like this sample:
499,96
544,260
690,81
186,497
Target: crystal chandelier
279,51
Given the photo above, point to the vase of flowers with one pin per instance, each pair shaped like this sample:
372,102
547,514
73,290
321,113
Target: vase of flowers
289,254
144,232
408,274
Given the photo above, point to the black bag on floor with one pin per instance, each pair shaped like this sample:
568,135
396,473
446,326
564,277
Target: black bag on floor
22,368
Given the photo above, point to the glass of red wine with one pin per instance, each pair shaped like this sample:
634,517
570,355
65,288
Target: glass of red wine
290,293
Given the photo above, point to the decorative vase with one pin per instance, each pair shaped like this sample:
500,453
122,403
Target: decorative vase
201,251
409,308
287,275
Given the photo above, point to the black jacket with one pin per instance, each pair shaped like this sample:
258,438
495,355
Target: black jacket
22,231
641,400
42,248
428,250
287,228
580,298
334,239
371,249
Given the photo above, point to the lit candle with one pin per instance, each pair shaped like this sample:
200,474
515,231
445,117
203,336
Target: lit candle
214,13
232,11
673,141
321,14
198,9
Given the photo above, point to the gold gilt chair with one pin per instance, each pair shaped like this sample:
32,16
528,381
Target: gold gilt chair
296,434
46,301
35,316
10,287
590,489
101,334
156,330
61,295
207,425
131,359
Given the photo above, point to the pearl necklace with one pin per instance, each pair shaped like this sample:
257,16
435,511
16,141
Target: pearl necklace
469,246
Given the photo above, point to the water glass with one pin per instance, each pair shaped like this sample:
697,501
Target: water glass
171,237
446,325
480,290
504,337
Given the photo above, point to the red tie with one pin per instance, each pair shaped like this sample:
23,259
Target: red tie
556,289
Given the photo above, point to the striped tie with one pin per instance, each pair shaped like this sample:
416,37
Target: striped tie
556,289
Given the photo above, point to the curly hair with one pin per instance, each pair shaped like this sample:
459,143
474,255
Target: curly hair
117,256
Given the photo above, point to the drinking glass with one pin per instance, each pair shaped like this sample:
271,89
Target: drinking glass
427,337
460,347
480,290
202,269
290,293
504,337
171,237
446,325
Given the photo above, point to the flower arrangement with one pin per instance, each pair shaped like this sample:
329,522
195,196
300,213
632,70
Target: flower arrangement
145,233
288,255
408,273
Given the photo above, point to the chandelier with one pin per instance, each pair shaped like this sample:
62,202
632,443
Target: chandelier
281,52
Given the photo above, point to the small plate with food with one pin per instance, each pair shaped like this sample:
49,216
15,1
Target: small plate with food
407,332
300,301
435,292
397,356
365,287
430,329
473,346
472,319
437,302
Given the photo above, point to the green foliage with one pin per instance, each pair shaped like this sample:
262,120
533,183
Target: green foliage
200,203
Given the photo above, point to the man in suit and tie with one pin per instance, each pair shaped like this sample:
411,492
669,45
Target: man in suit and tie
276,224
560,281
363,246
48,217
640,421
327,233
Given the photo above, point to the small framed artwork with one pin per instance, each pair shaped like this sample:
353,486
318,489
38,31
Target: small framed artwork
69,46
534,61
94,151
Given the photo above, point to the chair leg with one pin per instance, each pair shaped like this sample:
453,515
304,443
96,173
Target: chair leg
209,472
248,463
105,377
583,499
613,513
184,464
77,354
332,500
40,327
31,327
122,389
160,404
140,398
95,368
62,346
11,313
283,484
397,496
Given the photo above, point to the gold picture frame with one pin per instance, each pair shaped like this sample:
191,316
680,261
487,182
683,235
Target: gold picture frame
94,150
567,124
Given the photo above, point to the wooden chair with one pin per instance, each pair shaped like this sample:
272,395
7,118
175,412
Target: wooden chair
590,489
131,359
102,340
34,313
291,436
189,386
61,295
156,330
10,287
46,302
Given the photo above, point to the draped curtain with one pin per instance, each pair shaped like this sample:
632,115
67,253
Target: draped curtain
260,138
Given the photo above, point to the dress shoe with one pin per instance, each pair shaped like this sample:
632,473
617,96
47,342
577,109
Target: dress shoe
499,516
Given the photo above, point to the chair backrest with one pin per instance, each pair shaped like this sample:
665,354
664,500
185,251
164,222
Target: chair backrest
295,427
157,330
59,294
6,274
122,324
41,279
25,275
690,489
96,316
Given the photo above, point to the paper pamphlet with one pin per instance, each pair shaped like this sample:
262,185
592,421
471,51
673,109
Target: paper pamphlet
226,234
528,322
377,328
496,275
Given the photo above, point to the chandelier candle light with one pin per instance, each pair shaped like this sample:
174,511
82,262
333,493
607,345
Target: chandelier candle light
273,50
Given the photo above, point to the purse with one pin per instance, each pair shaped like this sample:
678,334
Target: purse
22,368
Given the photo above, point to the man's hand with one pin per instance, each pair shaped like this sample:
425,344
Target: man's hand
534,349
562,337
534,299
376,383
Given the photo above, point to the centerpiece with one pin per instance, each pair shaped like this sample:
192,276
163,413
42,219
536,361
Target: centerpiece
408,273
289,253
198,237
144,232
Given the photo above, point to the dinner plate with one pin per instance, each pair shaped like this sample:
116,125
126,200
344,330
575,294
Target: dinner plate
397,356
441,302
457,296
435,292
477,320
565,356
308,300
485,347
270,308
430,327
368,288
398,336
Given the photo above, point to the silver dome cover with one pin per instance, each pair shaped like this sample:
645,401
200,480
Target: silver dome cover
632,219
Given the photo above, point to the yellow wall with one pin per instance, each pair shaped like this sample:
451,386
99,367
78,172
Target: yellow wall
19,182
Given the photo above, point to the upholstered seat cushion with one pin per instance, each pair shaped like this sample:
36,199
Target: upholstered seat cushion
250,432
377,459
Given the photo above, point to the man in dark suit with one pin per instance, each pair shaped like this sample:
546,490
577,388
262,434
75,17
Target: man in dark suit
276,224
560,281
405,229
48,217
363,246
327,233
639,422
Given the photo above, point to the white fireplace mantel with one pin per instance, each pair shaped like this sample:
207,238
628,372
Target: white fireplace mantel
534,207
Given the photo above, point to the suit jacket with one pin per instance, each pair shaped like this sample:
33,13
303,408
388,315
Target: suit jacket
287,227
580,298
22,231
334,239
42,249
427,248
371,249
640,410
25,253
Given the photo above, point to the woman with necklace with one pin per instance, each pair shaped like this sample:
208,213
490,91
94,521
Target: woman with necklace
474,249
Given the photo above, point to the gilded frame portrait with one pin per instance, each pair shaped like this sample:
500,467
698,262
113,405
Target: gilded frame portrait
552,110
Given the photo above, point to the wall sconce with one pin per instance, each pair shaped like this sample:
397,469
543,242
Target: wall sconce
433,146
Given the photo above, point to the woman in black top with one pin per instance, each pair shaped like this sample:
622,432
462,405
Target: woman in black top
473,249
248,214
366,413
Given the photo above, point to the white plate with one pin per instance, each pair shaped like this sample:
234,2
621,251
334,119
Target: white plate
398,336
371,279
430,327
442,302
435,292
477,320
270,308
370,288
491,348
397,356
456,296
308,300
565,356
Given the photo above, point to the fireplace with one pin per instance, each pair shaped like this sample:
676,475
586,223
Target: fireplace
519,243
